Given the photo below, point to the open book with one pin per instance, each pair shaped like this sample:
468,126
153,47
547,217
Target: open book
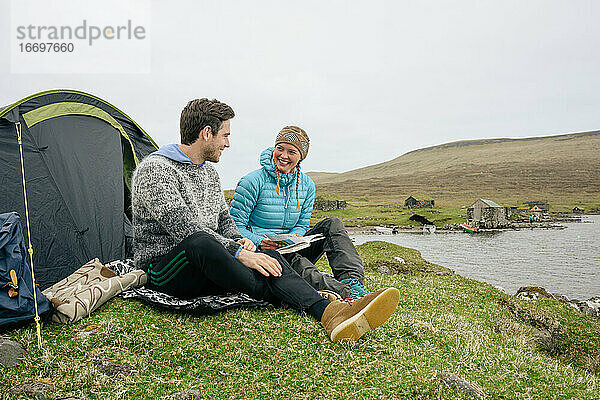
291,243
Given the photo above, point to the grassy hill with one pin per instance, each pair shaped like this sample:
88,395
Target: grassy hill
562,169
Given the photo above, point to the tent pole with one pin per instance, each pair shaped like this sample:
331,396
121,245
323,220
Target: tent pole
30,248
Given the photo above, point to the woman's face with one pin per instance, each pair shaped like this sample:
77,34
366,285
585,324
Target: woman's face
286,157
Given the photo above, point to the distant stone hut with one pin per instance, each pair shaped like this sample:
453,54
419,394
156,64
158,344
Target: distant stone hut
488,214
328,205
412,202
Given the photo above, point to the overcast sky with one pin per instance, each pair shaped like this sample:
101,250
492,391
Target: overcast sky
368,82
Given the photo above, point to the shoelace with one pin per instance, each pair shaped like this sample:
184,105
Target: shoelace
358,289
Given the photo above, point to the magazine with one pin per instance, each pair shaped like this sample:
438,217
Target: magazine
291,243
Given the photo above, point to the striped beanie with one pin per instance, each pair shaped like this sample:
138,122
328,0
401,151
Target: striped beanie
295,136
299,139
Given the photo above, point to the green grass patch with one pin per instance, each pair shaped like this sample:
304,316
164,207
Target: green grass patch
371,213
443,323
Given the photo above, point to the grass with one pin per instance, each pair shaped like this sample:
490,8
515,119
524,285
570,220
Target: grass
444,323
365,213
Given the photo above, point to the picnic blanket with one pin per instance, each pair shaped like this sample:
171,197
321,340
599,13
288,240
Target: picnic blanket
199,305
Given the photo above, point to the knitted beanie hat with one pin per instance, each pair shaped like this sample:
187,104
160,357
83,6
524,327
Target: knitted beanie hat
299,139
296,137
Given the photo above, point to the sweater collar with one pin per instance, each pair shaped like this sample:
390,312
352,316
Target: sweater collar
173,152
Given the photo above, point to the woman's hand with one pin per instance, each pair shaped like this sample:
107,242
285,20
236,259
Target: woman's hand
247,243
267,244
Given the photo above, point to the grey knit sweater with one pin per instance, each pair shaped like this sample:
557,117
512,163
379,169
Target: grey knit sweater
171,201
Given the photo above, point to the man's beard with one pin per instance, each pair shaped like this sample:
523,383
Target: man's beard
212,155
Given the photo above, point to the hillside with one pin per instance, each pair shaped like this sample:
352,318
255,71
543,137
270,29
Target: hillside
562,168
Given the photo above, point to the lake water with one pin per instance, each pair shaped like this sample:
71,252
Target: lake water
563,261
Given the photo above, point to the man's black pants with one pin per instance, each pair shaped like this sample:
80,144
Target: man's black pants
200,266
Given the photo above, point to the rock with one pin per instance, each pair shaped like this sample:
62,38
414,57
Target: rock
561,298
444,273
544,340
384,270
531,293
590,307
31,388
69,398
188,395
400,260
456,382
11,353
111,368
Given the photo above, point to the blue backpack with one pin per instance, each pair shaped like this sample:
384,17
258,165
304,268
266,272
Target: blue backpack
16,284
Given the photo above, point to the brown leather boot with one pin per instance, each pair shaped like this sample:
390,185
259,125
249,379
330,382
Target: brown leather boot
349,320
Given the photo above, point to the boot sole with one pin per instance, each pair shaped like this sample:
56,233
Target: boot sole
373,315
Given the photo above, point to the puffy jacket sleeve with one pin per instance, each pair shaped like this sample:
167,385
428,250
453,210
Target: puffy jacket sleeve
306,211
244,201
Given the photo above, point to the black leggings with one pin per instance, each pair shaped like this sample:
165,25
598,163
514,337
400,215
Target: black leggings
200,266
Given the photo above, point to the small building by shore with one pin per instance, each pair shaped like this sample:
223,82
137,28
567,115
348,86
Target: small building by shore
412,202
488,214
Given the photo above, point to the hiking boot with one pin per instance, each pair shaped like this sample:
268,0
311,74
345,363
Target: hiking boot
358,289
348,320
329,295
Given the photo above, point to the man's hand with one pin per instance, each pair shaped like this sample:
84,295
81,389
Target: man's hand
247,243
267,244
261,262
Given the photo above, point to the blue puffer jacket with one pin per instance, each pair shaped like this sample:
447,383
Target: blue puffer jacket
257,209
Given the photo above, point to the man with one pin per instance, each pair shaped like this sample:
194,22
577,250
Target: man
186,241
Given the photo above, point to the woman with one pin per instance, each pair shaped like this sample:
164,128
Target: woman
278,198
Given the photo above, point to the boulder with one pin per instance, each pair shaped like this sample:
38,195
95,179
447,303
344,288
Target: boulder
111,368
188,395
31,388
456,382
590,307
11,353
544,340
384,270
531,293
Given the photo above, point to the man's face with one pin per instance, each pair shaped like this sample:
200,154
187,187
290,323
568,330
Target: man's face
217,143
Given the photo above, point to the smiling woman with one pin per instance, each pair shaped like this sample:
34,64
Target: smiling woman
278,199
286,157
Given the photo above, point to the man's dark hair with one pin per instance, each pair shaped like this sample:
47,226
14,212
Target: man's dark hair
199,113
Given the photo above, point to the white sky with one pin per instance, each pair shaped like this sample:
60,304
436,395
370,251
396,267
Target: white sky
368,82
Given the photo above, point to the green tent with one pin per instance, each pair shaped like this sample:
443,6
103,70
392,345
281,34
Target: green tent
79,152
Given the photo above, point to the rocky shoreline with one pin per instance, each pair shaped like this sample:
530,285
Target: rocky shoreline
590,306
549,221
449,228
